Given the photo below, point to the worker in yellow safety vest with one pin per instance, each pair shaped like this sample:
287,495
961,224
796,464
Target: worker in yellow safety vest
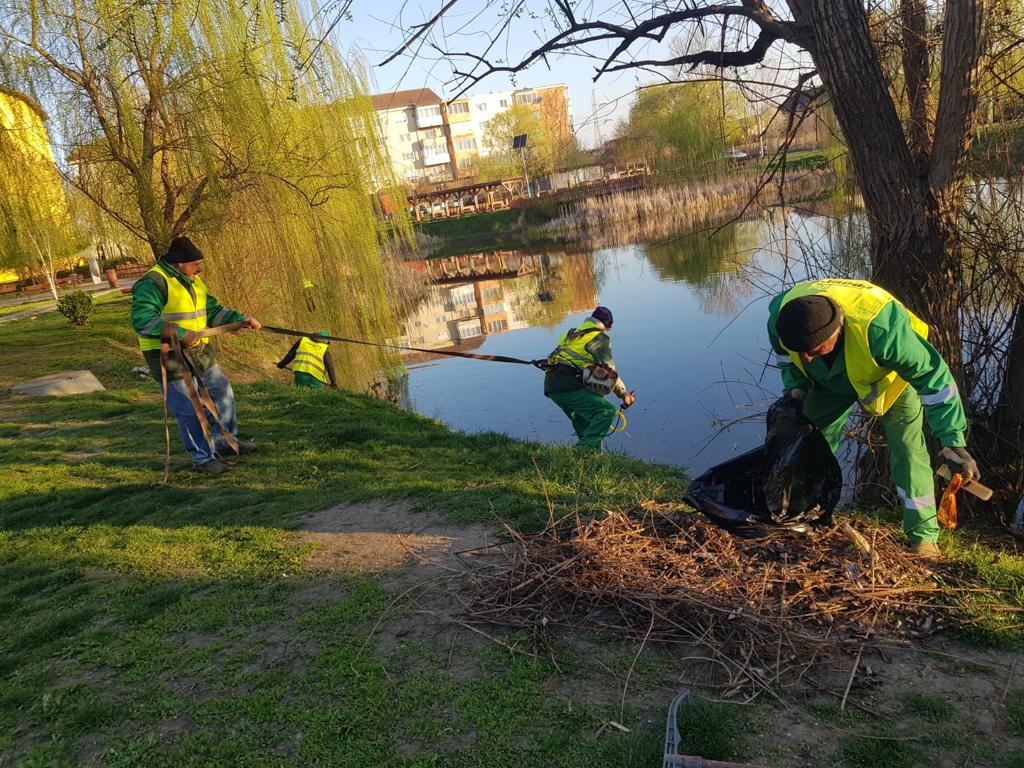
173,292
580,372
311,362
843,342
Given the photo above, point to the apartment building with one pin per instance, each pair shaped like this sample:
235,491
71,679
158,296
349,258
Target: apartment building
414,128
427,139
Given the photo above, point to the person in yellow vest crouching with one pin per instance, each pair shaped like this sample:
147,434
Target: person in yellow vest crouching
173,292
311,362
580,372
840,342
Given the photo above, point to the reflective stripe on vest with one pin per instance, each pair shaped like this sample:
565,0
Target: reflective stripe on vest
309,358
572,347
179,308
876,387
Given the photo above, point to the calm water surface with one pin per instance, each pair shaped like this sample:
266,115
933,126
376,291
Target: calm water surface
689,334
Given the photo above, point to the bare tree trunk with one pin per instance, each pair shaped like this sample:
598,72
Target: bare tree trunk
912,200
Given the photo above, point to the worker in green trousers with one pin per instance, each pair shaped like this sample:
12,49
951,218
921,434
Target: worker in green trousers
580,373
840,342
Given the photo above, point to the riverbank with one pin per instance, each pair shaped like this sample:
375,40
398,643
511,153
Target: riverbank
657,211
305,608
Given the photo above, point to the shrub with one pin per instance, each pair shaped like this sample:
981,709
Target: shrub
76,307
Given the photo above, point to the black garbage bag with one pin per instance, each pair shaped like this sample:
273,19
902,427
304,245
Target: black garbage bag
791,482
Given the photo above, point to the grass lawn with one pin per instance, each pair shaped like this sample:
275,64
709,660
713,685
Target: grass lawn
195,625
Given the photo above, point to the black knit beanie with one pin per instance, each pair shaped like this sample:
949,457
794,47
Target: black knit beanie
807,321
604,316
182,250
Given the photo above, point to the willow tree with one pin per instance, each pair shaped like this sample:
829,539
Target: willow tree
37,233
235,123
682,125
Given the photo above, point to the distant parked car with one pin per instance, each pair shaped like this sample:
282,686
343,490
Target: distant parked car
736,154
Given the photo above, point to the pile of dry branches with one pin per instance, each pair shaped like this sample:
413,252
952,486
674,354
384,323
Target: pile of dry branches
778,604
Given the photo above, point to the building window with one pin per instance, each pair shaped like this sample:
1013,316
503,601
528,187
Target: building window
481,106
530,97
496,326
408,156
459,108
430,111
504,103
465,145
493,309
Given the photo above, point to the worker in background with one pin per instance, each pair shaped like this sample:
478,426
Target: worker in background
840,342
311,362
307,293
580,373
173,292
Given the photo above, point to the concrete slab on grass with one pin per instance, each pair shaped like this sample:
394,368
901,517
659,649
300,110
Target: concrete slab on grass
60,384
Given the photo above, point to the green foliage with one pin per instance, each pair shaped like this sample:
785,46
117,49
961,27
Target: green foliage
36,229
503,161
681,126
77,307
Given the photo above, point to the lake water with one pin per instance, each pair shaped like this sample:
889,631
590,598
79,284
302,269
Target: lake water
689,334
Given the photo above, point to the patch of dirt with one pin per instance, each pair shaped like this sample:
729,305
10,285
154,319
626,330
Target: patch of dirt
383,537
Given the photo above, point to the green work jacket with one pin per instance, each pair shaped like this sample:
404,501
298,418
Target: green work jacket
894,345
149,295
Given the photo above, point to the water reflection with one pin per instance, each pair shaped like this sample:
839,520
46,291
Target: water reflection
689,335
475,296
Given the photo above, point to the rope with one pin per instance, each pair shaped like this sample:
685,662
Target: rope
619,424
541,364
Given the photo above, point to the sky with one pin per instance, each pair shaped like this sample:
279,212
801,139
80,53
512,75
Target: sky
377,33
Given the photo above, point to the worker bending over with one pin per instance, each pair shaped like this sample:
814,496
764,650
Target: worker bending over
840,342
311,362
580,373
173,292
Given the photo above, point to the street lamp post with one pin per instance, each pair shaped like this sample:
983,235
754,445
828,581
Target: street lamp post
519,142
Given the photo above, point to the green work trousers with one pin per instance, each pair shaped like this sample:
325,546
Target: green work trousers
591,416
303,379
908,455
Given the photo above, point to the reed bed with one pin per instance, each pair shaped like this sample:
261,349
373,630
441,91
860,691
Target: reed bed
767,610
657,212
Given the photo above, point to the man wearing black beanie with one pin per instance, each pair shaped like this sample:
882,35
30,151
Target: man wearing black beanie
173,292
840,342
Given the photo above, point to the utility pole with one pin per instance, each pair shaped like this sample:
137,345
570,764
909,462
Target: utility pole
597,120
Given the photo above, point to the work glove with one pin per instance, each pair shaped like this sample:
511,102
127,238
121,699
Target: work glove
961,461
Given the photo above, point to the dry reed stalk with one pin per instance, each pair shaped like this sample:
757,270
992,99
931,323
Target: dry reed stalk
657,212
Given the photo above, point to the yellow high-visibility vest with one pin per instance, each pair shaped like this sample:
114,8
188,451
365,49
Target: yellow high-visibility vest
179,308
572,347
877,387
309,358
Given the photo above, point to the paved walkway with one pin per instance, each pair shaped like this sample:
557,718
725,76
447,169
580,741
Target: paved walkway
96,290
